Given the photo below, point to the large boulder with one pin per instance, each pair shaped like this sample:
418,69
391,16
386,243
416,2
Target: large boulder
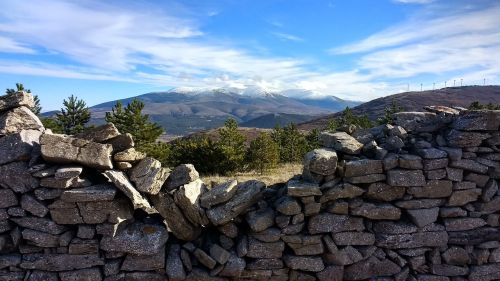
16,99
100,134
64,149
341,141
21,118
419,121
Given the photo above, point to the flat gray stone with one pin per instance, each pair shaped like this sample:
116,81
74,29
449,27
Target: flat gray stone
432,189
384,192
340,191
340,141
63,149
129,155
304,263
412,240
100,133
33,206
423,217
181,175
218,194
9,199
297,188
40,224
377,212
399,177
188,200
327,222
478,120
137,238
60,262
101,192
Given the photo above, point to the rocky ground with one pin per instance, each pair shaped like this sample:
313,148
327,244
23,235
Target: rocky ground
416,200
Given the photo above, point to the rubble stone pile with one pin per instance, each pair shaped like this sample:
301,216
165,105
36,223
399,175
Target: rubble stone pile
416,200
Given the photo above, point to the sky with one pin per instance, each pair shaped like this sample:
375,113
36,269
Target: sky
352,49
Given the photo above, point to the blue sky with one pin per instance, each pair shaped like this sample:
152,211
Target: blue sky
353,49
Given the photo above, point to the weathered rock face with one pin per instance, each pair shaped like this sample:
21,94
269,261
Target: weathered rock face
21,118
16,100
398,203
63,149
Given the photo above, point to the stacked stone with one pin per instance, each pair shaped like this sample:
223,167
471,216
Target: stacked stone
417,200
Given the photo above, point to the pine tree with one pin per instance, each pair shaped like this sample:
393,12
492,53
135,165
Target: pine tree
37,108
292,143
232,144
130,119
73,116
263,153
389,112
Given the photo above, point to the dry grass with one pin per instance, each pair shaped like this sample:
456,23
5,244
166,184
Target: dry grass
280,174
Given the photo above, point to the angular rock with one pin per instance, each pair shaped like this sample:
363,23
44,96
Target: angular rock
246,195
491,206
304,263
417,121
340,141
219,194
144,262
64,149
432,153
384,192
19,146
399,177
485,272
465,139
60,262
115,211
377,212
423,217
434,164
65,212
449,270
480,120
456,256
21,118
462,197
68,172
366,178
454,174
33,206
137,238
469,165
175,270
362,167
129,155
321,161
188,200
413,240
326,222
121,181
410,161
101,192
17,99
389,227
148,175
354,238
181,175
8,198
121,142
370,268
331,273
263,250
40,239
100,133
40,224
342,190
219,254
462,224
174,217
288,206
234,267
81,275
433,189
204,258
260,220
296,188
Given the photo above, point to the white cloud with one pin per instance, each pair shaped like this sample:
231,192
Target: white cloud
287,37
97,41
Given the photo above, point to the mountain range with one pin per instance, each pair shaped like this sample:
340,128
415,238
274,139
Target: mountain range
182,111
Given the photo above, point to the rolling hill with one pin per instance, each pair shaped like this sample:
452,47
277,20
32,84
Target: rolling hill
415,101
184,111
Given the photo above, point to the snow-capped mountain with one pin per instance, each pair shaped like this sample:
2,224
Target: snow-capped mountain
185,110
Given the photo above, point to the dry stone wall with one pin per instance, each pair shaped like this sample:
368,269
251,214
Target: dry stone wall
416,200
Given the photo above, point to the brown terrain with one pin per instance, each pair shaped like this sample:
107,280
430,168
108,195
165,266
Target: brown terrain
415,101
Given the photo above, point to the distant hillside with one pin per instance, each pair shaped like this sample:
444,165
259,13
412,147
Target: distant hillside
184,111
272,120
415,101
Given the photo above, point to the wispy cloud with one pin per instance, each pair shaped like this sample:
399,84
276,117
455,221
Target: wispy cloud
287,37
8,45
